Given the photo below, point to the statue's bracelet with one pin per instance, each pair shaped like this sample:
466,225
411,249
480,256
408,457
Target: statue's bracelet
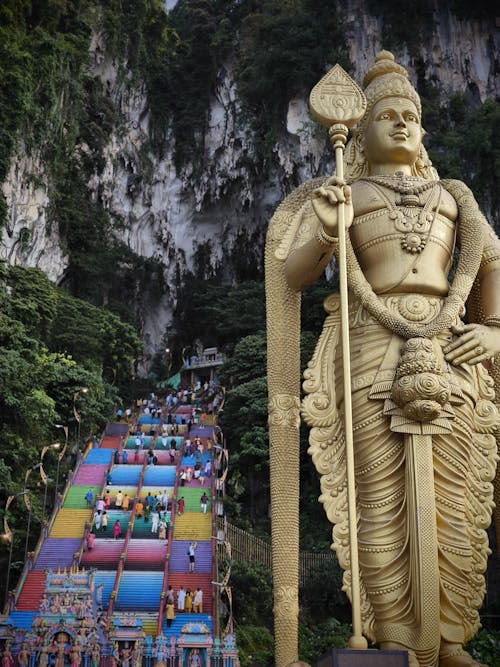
324,238
492,321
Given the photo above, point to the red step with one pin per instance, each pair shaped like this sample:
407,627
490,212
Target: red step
110,442
32,591
193,581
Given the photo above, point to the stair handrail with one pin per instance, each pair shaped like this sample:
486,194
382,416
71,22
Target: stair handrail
77,556
170,534
123,555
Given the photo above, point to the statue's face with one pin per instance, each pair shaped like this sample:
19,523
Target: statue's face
394,133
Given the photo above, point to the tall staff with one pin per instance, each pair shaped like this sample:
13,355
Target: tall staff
338,103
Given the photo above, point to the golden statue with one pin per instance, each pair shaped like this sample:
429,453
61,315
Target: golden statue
423,403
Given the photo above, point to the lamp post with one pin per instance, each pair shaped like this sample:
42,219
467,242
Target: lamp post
8,536
83,390
168,352
45,479
60,456
27,502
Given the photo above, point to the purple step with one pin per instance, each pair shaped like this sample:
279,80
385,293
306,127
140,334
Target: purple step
57,552
91,474
179,560
201,431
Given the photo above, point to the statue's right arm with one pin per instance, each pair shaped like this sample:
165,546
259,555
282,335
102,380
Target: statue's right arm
306,264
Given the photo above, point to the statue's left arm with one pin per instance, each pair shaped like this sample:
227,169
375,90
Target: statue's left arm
480,340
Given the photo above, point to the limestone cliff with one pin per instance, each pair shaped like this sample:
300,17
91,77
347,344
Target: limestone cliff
169,211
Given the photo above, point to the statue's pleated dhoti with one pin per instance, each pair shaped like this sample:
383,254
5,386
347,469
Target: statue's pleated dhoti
424,492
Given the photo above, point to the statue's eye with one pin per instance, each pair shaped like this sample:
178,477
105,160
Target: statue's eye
385,116
412,117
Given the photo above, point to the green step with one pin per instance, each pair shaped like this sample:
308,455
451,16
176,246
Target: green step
75,498
192,497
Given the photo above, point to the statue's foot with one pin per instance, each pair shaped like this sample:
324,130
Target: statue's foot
453,655
394,646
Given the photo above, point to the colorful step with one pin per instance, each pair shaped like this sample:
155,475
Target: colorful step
179,559
104,583
70,523
139,590
76,496
192,496
159,475
125,474
192,581
33,589
146,554
181,619
102,456
193,526
57,552
104,555
92,474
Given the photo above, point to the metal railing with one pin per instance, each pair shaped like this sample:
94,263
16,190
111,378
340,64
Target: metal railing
247,547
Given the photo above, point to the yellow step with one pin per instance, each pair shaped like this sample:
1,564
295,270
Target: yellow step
70,523
150,625
193,526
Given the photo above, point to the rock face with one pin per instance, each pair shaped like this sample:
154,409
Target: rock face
169,215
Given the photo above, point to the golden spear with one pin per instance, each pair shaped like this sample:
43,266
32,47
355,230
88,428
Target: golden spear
338,103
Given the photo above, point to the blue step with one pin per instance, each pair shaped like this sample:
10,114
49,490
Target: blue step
159,476
191,460
108,581
139,590
99,456
181,619
148,419
21,619
126,475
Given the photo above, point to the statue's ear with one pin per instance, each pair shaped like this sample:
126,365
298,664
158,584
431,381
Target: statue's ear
358,138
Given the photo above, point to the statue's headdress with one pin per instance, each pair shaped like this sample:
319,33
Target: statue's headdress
386,78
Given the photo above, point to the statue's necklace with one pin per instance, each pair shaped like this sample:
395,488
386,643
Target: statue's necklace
400,182
413,220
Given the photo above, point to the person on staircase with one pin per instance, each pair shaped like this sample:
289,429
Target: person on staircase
181,600
139,508
89,497
169,613
191,553
155,520
204,502
119,500
117,530
188,603
198,601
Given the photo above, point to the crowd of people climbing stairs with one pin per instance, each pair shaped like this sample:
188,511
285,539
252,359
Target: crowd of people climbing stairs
182,442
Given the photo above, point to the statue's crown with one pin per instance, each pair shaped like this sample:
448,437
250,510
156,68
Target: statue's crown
386,78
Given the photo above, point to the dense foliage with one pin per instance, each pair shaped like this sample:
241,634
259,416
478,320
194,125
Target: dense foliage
51,347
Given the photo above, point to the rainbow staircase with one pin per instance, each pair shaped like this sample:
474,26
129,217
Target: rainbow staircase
131,574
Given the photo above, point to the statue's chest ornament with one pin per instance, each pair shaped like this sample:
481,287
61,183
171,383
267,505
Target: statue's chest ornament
411,216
